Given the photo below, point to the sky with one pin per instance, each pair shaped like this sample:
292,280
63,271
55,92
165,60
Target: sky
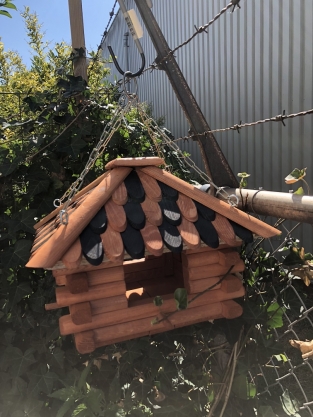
53,15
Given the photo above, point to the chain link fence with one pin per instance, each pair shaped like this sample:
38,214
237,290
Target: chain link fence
288,376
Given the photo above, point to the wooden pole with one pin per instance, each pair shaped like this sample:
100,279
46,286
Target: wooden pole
78,38
214,160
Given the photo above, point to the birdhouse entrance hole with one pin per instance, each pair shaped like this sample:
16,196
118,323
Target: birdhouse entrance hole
146,278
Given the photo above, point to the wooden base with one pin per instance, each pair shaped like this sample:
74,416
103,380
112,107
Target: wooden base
87,340
114,302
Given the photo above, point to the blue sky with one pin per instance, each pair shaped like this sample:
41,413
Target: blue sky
54,17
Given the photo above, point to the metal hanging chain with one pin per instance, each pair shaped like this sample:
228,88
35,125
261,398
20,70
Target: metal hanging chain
278,118
156,131
105,138
152,135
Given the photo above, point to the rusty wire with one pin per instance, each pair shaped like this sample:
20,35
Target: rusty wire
278,118
233,4
96,57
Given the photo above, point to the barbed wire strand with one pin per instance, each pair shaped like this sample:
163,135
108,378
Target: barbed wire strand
278,118
233,4
96,57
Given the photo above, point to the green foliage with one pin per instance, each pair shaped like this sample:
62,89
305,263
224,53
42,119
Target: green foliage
295,175
242,388
290,404
8,5
243,179
48,128
158,301
181,300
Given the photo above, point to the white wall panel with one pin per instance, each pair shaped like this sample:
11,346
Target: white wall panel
251,65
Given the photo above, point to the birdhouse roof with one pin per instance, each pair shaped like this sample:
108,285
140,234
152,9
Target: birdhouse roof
137,207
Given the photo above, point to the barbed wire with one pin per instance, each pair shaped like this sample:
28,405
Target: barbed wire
278,118
233,4
96,57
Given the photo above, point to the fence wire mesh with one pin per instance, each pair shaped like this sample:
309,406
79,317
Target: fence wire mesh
292,372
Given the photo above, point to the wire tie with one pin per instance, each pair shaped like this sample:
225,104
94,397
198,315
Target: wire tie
281,117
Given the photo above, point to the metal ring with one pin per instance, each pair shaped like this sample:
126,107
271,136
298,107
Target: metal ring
127,93
57,203
232,203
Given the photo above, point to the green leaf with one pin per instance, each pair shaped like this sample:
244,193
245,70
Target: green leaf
115,389
300,191
172,411
94,400
9,167
295,257
5,13
41,380
290,404
37,186
22,220
295,175
19,362
65,408
281,357
254,313
66,394
17,255
9,5
81,410
72,146
83,376
29,408
57,358
242,388
17,293
275,314
9,335
243,175
266,411
181,298
158,301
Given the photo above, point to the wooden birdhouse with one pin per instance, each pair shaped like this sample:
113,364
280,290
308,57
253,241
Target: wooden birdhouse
139,233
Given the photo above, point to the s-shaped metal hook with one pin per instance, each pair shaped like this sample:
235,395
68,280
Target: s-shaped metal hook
137,42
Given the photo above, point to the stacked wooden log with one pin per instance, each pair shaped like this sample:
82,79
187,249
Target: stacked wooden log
113,302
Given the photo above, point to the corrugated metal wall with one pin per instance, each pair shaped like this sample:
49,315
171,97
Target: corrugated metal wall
253,64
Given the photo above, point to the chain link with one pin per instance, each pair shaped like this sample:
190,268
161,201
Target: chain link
105,138
156,131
